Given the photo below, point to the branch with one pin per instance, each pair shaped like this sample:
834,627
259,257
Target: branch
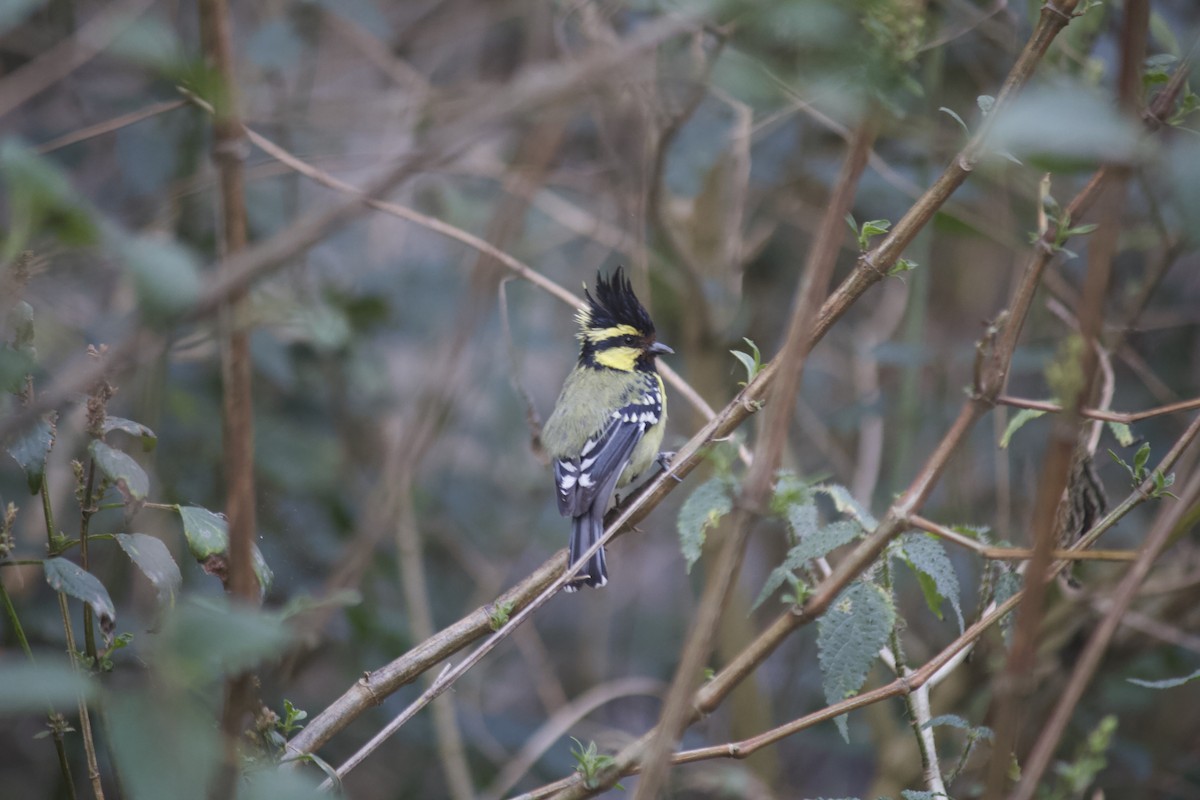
930,674
1156,541
756,488
530,90
1128,418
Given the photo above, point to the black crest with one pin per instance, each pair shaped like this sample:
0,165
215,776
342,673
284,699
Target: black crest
616,304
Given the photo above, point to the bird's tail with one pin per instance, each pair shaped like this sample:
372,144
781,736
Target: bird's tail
586,530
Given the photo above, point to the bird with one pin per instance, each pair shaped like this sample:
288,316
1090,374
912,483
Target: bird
607,425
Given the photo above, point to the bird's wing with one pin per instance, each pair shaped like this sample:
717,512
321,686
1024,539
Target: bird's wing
604,456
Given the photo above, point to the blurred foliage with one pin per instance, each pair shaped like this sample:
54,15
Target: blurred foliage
381,368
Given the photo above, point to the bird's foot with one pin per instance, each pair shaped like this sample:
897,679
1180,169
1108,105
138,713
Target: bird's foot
664,460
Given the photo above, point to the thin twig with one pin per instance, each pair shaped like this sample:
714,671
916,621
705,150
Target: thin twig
813,286
530,90
71,53
1035,764
1015,553
1127,418
109,125
931,673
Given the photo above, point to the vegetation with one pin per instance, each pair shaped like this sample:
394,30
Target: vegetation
285,290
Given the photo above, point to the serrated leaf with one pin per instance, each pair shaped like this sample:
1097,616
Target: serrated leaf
1122,432
845,503
803,520
125,473
849,637
31,449
955,721
207,536
153,558
1168,683
147,436
702,510
935,572
69,578
1008,583
790,489
820,543
1015,424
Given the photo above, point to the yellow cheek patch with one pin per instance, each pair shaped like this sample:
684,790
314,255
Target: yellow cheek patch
593,335
622,358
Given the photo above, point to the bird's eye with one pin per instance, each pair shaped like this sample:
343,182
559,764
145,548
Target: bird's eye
627,339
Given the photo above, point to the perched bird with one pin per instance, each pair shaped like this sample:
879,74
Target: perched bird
607,425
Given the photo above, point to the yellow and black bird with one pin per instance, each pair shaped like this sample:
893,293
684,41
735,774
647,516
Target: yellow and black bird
608,423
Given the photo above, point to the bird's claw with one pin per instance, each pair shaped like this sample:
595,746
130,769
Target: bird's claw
664,462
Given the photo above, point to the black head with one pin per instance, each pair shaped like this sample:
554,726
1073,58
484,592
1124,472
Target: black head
616,330
616,304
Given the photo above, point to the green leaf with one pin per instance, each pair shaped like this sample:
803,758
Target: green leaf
153,558
165,274
747,362
954,115
1008,583
803,520
1122,433
846,504
31,449
302,603
41,201
125,473
1168,683
927,557
17,353
790,489
207,536
1139,461
820,543
1015,424
849,637
147,436
955,721
164,745
702,510
280,784
51,682
203,640
69,578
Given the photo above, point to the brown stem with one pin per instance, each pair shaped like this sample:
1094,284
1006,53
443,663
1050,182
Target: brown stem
677,711
1035,764
1014,685
237,430
1127,418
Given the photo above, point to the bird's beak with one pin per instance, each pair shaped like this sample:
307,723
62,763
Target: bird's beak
659,349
